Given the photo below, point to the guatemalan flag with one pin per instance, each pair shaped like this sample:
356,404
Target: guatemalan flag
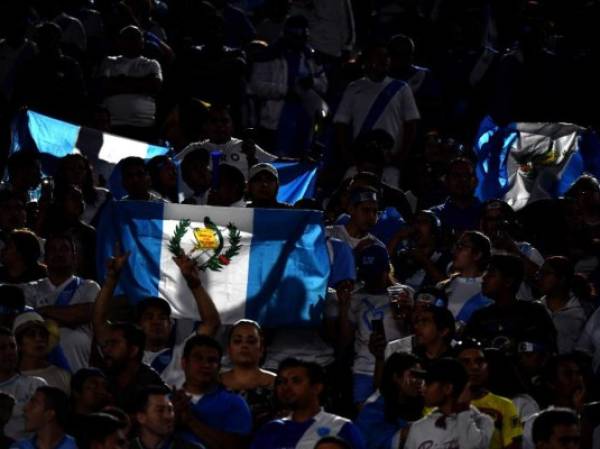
268,265
525,162
54,139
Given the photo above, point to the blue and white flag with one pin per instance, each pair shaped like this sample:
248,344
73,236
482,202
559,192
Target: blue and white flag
525,162
268,265
55,138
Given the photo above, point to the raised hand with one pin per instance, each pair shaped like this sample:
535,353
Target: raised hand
115,264
189,270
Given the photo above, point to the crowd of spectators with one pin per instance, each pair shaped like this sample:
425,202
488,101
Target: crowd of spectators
464,324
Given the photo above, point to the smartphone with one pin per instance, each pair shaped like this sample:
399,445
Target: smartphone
377,326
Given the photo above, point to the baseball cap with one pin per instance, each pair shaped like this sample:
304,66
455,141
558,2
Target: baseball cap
152,302
263,167
363,194
371,261
531,346
28,320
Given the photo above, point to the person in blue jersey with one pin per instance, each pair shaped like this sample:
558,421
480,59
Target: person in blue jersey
385,421
463,288
208,414
461,210
46,415
298,388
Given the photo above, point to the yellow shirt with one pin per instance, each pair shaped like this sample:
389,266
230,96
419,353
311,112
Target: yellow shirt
506,419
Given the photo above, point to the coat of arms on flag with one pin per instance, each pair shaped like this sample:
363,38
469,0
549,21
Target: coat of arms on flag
208,251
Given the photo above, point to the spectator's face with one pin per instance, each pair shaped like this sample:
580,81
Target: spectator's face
60,254
10,254
117,440
491,222
159,416
426,331
94,394
167,177
245,346
75,171
136,181
36,415
73,204
117,352
477,368
434,393
493,283
34,342
263,187
201,367
156,324
531,363
294,390
12,215
197,176
8,354
409,384
461,181
464,254
377,63
131,43
547,279
569,379
364,215
219,127
563,437
423,226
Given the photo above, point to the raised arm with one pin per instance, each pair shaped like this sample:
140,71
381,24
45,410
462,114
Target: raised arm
206,307
114,265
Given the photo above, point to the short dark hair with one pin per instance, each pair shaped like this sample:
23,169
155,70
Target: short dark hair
197,155
395,365
468,343
314,371
547,420
97,428
342,444
481,244
132,161
133,335
201,340
234,176
80,377
58,401
60,236
27,244
443,319
142,396
510,267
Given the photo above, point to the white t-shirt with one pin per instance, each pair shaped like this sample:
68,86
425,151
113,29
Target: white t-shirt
360,96
365,307
589,340
130,109
569,322
339,232
173,373
76,343
22,389
469,429
459,290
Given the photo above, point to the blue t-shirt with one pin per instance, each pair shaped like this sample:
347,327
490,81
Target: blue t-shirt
379,433
68,442
285,434
221,410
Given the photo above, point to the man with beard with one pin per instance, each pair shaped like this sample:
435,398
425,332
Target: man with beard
155,417
123,351
298,387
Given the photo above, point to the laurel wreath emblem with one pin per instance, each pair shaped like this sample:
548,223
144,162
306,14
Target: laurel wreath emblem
218,259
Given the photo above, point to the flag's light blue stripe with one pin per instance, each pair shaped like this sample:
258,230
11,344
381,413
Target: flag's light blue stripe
52,136
137,226
288,268
296,181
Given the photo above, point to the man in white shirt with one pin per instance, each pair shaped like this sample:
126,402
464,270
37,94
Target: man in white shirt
66,299
454,422
130,83
20,387
363,217
377,101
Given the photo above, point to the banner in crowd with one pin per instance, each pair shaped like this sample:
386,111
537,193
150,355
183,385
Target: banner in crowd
525,162
54,138
264,264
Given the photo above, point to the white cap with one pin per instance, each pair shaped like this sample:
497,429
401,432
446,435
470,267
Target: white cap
263,167
28,319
